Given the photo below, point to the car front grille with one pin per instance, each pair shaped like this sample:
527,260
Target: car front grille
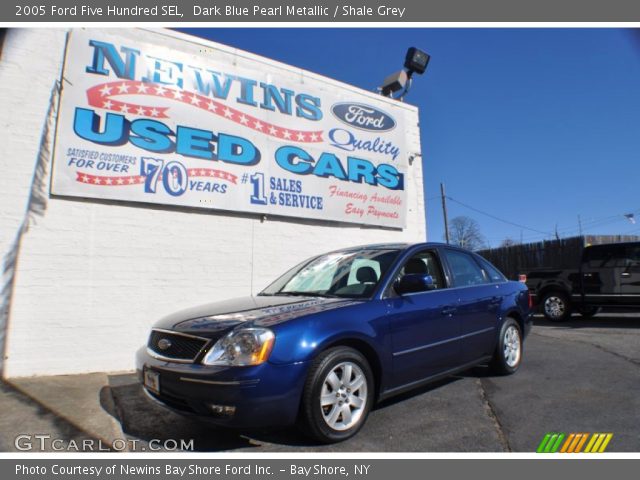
175,346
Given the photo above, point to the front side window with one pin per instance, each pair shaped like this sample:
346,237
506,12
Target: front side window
351,274
425,263
465,271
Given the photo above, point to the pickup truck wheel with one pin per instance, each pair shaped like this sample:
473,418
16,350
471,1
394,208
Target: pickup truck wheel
588,312
506,359
556,306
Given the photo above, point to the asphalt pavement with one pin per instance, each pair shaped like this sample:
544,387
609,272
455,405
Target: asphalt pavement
579,376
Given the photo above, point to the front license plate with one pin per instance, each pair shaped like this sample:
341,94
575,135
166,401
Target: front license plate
152,381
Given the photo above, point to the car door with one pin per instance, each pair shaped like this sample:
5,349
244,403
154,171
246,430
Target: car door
478,302
602,272
630,276
424,327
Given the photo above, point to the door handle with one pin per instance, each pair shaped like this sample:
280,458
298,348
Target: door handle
625,274
495,301
588,274
449,311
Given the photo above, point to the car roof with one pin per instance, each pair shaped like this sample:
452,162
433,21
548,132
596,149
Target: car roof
389,246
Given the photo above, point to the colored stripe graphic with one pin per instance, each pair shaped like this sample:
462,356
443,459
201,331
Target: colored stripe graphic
574,442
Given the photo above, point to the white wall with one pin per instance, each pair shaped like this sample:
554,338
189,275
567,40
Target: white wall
91,277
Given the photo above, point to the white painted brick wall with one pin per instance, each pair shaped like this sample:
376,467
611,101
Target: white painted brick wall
92,277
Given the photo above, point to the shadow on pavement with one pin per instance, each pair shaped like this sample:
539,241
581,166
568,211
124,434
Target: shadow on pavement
144,420
602,320
23,414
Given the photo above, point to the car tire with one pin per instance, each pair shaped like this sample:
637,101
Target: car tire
334,407
556,306
588,312
508,354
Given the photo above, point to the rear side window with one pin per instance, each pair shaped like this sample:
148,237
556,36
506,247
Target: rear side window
608,256
495,276
464,269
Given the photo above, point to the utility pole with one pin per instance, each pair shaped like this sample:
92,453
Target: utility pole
579,225
444,212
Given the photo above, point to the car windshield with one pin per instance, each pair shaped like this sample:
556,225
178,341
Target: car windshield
349,274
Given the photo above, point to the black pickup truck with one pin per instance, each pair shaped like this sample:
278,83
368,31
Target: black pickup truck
608,276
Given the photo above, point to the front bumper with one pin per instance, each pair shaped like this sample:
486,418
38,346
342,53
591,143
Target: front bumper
264,395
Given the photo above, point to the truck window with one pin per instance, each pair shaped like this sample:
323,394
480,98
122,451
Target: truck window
606,256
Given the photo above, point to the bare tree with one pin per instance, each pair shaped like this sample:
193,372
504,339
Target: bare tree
508,242
465,232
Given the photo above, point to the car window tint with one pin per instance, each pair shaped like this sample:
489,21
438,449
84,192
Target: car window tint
424,262
607,256
493,273
464,269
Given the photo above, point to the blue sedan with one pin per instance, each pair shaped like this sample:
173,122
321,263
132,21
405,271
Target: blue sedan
336,334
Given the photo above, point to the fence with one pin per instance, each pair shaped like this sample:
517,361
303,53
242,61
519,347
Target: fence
561,254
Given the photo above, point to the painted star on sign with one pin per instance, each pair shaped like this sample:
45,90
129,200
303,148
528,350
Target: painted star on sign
228,113
123,88
257,125
300,136
106,90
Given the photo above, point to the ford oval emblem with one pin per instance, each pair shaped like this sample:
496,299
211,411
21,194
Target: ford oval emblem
164,343
364,117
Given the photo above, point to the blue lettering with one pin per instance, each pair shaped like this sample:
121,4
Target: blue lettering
329,165
388,176
151,135
271,94
238,150
213,85
285,158
360,169
308,107
123,68
193,142
165,72
86,124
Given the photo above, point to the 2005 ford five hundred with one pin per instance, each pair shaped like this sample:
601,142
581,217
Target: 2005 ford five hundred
334,335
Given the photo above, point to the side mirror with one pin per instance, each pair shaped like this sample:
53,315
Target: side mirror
414,282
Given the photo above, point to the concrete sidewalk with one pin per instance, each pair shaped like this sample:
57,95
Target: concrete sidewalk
71,408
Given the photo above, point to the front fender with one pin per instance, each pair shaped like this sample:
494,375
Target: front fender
300,340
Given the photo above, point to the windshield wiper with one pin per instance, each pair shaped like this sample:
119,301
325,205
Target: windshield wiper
305,294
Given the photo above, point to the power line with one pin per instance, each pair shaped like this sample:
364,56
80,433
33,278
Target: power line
524,227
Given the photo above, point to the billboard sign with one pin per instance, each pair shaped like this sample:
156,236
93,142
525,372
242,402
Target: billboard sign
157,118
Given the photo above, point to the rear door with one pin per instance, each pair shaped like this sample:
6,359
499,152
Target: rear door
478,302
630,276
602,272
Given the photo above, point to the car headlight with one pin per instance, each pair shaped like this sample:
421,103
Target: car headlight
242,348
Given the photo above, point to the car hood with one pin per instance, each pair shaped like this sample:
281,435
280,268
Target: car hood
213,319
